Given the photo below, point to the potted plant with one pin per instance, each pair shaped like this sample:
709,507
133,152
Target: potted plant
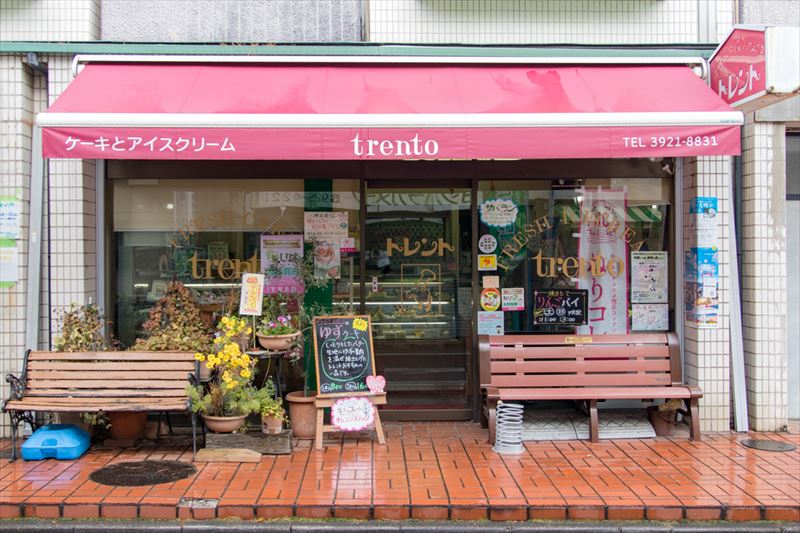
273,415
278,334
230,395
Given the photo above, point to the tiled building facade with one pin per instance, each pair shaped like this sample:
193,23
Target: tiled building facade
69,272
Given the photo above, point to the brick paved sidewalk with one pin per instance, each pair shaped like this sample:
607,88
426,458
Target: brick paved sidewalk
435,471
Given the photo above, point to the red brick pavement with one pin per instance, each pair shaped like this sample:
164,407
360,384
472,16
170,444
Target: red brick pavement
436,471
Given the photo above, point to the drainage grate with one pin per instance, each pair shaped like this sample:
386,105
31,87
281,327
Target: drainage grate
141,473
768,445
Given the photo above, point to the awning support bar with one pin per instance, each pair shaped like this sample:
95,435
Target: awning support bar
33,288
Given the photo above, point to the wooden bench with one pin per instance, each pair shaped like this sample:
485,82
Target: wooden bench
100,381
586,369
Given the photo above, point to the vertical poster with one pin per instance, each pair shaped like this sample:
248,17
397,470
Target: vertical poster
602,245
649,277
701,265
9,217
252,296
9,263
279,255
328,230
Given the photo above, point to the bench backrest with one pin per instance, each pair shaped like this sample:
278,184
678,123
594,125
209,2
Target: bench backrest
108,374
531,361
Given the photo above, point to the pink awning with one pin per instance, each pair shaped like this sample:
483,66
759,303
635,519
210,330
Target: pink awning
309,111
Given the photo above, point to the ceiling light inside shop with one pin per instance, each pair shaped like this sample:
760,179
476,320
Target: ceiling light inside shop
170,206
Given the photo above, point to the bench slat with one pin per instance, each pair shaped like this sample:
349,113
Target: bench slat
83,404
575,367
548,339
71,376
91,366
571,352
106,384
110,356
106,393
576,380
594,393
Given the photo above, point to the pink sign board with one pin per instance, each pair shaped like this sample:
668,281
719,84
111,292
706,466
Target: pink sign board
352,414
739,67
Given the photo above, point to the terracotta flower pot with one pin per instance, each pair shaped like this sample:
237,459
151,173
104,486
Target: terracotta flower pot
205,372
127,425
277,342
223,424
302,415
271,425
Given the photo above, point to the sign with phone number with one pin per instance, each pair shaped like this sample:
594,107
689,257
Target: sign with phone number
670,141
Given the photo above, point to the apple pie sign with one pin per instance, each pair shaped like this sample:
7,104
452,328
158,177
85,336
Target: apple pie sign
352,414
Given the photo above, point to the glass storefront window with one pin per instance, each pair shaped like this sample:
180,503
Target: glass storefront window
539,226
206,233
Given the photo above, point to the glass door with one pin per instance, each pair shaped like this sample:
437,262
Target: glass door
417,289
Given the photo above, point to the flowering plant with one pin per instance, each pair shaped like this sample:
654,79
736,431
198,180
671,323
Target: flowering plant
231,392
280,326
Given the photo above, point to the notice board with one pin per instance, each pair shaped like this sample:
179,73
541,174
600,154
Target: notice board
343,354
560,306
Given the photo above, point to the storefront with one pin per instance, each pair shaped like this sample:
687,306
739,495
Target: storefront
470,196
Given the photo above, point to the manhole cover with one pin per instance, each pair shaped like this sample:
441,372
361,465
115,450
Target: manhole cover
768,445
139,473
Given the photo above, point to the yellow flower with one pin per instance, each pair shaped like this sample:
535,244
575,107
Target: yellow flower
360,324
199,357
245,373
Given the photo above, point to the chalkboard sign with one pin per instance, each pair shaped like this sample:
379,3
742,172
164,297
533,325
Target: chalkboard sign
343,354
560,306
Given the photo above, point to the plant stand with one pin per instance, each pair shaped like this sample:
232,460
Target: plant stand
278,444
322,403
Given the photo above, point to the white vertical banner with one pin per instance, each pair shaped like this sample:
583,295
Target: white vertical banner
603,246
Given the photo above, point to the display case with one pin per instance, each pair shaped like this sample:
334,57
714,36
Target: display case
415,304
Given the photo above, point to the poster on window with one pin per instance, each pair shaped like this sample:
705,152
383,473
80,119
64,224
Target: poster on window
279,255
649,317
649,277
325,226
603,247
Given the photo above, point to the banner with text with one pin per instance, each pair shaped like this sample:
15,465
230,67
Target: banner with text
601,242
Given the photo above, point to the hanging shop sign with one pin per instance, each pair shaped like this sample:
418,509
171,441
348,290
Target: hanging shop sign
649,277
756,66
487,262
513,299
491,323
252,297
649,317
560,306
499,213
279,255
352,414
490,299
487,244
9,217
601,237
343,354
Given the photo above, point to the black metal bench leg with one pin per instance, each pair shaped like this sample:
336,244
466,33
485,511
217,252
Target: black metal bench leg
194,435
14,425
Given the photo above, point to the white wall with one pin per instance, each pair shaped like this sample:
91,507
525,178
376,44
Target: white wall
549,21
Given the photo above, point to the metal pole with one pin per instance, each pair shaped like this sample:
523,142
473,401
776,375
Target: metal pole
34,243
100,235
740,416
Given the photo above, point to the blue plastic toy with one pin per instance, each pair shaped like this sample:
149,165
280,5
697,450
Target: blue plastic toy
57,441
